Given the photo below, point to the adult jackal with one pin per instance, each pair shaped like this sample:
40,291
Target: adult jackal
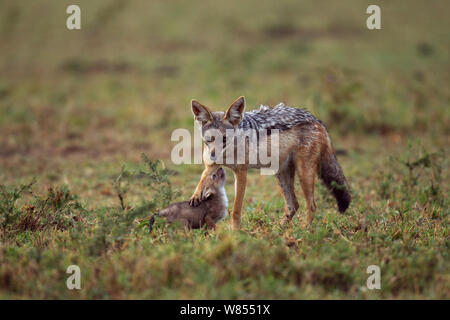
304,148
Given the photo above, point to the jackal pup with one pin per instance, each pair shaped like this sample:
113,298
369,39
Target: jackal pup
208,213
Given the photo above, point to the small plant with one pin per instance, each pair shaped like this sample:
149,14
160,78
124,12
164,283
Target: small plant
152,175
416,179
424,175
9,213
58,209
117,224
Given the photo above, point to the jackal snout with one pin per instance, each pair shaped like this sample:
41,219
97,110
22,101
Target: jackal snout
215,141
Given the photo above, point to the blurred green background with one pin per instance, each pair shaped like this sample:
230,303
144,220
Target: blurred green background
124,81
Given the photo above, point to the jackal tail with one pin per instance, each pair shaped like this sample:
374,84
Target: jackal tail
333,177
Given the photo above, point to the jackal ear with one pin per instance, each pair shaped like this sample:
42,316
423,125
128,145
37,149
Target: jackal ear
201,113
235,112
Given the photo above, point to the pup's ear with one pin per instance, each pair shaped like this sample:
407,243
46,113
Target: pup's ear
201,113
235,112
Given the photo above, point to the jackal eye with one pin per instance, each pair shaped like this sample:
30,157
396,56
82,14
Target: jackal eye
214,176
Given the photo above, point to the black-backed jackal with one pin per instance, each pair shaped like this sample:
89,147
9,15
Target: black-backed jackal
304,149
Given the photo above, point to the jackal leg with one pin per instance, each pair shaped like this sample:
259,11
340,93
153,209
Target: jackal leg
198,196
240,180
307,171
286,179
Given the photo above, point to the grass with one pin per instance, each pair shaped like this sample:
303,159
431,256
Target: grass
78,108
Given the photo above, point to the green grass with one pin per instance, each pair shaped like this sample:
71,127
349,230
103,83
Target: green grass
77,106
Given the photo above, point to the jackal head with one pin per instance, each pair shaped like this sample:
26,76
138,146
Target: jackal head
214,183
217,126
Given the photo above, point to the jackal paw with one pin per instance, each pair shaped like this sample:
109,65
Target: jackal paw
195,200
